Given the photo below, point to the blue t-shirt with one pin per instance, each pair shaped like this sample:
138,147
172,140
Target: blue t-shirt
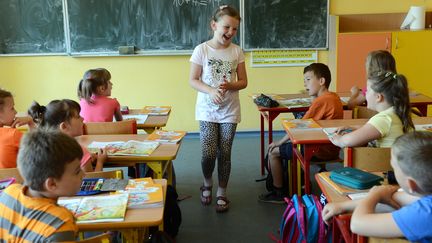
415,220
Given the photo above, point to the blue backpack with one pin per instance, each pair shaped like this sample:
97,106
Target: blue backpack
302,221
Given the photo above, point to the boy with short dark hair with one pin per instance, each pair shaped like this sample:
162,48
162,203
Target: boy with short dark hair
49,163
326,105
411,159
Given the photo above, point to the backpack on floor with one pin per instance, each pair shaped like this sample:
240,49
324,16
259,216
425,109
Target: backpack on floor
172,214
302,221
269,178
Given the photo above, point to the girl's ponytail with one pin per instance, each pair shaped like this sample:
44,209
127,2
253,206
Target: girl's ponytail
90,82
394,87
37,112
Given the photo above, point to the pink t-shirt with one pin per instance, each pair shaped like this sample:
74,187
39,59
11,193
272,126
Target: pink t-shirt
86,157
101,110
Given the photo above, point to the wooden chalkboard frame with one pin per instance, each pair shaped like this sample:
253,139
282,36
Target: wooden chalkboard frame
241,37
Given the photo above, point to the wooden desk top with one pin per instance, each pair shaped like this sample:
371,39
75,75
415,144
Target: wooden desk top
134,218
152,121
331,194
162,153
317,136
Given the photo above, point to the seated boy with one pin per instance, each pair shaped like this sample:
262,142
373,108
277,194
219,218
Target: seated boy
49,163
411,159
326,105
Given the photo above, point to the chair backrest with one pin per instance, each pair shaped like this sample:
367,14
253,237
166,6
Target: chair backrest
112,174
120,127
362,112
11,172
102,238
367,158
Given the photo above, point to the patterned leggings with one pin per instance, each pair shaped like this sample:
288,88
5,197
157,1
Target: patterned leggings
216,141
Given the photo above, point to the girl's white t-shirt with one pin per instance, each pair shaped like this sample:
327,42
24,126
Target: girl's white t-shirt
217,64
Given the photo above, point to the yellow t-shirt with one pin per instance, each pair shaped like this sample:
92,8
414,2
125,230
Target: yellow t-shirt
389,125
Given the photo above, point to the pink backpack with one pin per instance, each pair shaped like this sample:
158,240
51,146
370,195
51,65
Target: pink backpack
302,221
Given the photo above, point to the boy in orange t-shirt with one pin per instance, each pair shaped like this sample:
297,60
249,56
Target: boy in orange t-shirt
326,105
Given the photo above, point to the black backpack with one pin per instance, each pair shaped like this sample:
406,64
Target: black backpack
269,178
172,213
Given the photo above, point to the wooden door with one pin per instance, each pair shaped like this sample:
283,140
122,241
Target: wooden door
352,50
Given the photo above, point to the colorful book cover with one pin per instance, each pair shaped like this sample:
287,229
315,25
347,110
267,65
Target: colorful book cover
156,110
295,103
108,208
132,147
163,136
139,183
300,124
149,196
70,204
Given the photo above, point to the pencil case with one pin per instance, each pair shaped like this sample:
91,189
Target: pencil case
355,178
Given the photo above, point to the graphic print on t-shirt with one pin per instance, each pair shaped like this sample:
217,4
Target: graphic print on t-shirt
220,71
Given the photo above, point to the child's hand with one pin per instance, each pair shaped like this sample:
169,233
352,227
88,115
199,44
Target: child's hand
343,130
336,139
102,155
355,91
216,96
384,194
225,86
21,121
273,145
332,209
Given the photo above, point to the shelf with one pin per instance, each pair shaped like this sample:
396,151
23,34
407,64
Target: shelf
375,22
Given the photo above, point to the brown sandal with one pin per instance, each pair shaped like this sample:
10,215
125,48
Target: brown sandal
222,207
206,200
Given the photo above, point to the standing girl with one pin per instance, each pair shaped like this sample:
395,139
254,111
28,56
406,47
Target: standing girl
376,61
65,116
94,90
218,73
10,137
387,93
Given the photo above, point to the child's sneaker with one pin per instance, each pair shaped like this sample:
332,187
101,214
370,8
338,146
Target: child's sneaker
271,197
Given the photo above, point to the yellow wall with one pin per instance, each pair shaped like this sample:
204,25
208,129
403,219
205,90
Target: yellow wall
161,80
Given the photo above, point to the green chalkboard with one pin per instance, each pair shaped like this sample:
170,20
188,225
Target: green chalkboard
150,25
31,26
285,24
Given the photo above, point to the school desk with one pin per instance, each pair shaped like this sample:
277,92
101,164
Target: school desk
159,161
312,139
152,122
136,222
417,100
341,223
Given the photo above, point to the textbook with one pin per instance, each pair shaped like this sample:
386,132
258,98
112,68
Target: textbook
143,193
140,118
89,209
156,110
168,137
330,131
129,148
300,124
295,103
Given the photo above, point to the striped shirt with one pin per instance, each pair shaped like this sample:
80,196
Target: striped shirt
28,219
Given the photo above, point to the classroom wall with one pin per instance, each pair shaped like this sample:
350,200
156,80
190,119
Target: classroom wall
162,80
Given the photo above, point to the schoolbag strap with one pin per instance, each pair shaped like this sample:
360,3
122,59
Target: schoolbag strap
299,208
321,226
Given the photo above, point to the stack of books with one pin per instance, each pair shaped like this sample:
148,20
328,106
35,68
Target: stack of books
139,193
